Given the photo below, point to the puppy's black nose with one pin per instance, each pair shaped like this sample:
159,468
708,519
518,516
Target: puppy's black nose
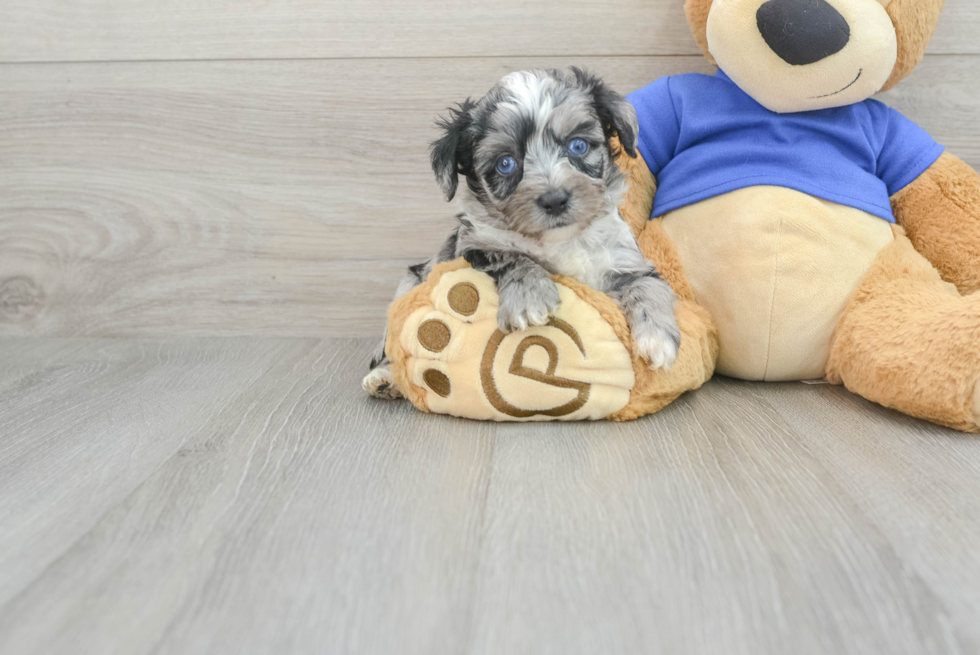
802,32
554,202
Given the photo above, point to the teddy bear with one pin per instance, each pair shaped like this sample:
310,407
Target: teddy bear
809,231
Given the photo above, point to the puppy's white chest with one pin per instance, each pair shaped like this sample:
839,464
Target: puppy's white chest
584,258
580,264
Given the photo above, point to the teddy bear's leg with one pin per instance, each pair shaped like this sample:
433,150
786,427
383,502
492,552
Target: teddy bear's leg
448,355
940,211
699,336
695,365
910,341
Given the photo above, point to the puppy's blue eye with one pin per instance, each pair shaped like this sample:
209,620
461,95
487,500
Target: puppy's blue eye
506,165
578,147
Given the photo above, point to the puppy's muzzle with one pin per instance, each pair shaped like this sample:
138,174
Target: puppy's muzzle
554,202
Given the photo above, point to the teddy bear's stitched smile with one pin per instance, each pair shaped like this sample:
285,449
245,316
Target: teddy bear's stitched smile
860,72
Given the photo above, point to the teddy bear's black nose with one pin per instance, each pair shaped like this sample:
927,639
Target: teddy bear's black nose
802,32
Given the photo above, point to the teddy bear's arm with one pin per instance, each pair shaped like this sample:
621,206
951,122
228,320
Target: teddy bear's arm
940,212
636,210
638,202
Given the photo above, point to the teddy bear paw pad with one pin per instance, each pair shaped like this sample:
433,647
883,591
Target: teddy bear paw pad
573,368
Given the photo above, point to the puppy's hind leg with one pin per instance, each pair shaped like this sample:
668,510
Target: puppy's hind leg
379,382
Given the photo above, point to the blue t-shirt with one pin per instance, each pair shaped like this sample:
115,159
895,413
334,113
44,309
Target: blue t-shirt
703,136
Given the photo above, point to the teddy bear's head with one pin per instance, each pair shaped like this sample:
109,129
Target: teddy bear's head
802,55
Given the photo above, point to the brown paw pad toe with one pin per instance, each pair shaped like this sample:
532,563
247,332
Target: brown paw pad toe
438,382
434,335
464,298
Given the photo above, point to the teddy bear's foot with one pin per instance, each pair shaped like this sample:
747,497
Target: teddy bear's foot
910,341
451,357
380,383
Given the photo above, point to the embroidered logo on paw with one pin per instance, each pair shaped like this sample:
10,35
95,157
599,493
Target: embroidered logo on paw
470,368
547,376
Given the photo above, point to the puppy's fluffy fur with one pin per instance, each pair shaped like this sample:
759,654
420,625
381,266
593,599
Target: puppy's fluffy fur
534,204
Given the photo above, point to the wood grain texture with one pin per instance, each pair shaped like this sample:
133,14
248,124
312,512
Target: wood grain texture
264,198
900,472
709,529
283,511
301,515
100,30
84,423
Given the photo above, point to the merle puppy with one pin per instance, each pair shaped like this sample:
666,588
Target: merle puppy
541,197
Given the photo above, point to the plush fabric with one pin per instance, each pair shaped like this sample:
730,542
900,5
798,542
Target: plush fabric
857,155
910,341
654,390
906,338
450,358
914,20
638,202
539,374
636,209
940,211
774,267
697,19
736,40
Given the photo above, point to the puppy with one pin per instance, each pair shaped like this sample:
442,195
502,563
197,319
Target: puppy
541,197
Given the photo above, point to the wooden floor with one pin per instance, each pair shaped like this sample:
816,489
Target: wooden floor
242,495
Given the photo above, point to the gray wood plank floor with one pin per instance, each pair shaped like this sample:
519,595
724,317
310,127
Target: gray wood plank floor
241,495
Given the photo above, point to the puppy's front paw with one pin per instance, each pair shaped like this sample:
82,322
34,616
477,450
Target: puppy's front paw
381,384
657,344
528,301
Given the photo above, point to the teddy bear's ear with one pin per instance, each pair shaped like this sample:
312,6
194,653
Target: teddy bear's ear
697,19
914,21
617,115
449,152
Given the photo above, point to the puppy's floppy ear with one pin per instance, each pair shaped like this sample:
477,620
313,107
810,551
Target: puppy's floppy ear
616,113
450,153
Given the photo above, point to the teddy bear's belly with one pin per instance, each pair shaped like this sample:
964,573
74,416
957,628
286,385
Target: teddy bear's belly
775,268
